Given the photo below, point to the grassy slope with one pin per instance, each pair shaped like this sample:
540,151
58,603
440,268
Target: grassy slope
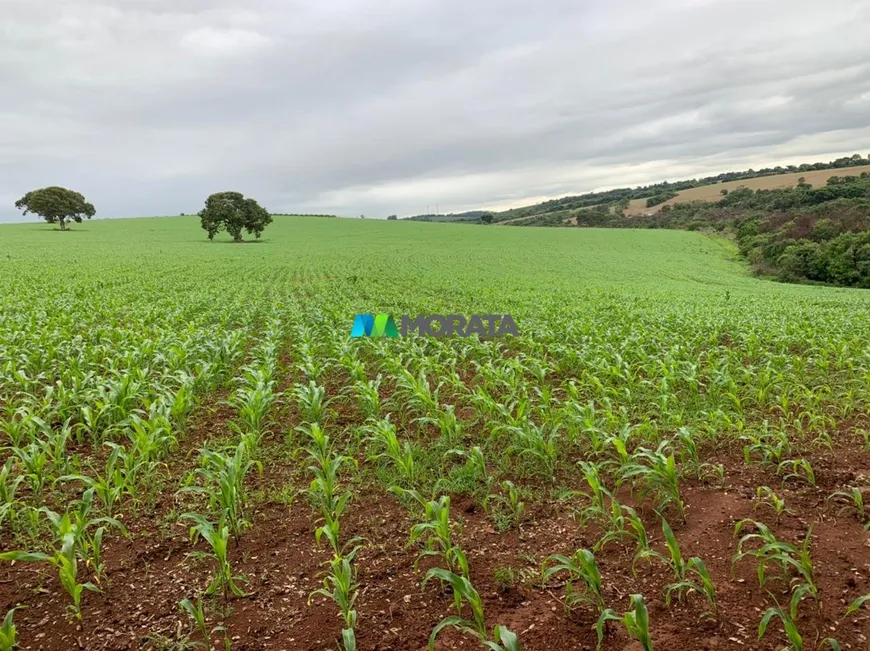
713,192
405,256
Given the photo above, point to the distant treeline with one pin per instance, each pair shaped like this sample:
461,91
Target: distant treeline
470,216
301,214
655,194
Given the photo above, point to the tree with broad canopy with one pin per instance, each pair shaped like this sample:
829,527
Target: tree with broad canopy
56,205
232,212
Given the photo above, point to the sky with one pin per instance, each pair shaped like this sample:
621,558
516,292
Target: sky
382,107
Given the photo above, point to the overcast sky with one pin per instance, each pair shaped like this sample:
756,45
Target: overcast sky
393,106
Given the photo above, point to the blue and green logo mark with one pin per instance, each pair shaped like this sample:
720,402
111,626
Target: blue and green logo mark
374,325
434,325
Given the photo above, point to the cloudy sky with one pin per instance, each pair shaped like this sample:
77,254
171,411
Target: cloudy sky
394,106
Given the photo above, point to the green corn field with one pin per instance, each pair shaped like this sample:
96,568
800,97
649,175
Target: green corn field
194,453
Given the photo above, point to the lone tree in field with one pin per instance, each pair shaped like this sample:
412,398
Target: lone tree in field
56,205
231,212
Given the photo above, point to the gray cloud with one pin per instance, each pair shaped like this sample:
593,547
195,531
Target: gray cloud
387,106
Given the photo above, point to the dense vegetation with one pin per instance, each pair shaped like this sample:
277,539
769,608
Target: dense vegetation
796,234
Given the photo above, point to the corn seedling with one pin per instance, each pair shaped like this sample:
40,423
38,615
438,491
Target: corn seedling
8,486
224,581
581,569
536,447
110,487
765,496
690,459
325,489
341,586
35,464
449,428
856,605
65,561
8,633
599,496
795,639
464,593
196,613
382,435
509,507
852,497
369,397
771,446
635,620
436,532
223,478
659,472
800,470
790,559
312,402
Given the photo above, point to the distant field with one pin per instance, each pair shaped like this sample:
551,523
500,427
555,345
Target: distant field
215,385
714,192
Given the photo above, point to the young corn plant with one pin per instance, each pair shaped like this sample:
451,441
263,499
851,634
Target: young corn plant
109,487
436,533
368,397
795,564
8,632
382,435
331,532
224,581
583,585
702,583
635,620
342,587
313,403
536,448
325,489
475,461
416,394
637,530
771,446
196,614
599,496
765,496
449,427
65,561
800,470
506,508
35,465
659,472
856,605
464,593
78,520
223,480
691,461
8,486
852,500
795,639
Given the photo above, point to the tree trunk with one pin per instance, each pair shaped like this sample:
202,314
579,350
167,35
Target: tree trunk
62,224
238,238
